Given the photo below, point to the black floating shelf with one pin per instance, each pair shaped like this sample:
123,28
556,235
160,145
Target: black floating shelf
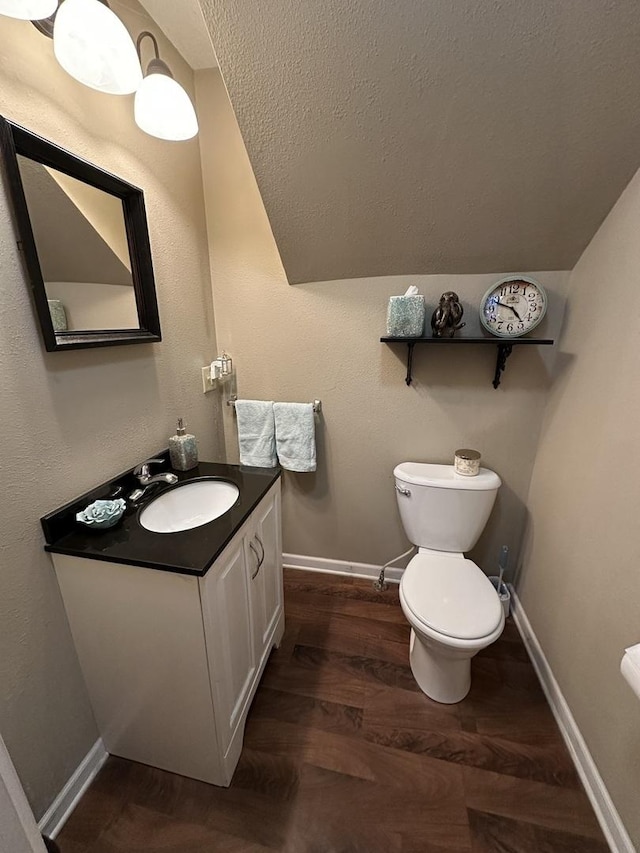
504,346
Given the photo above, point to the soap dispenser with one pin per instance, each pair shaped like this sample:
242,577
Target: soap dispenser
183,449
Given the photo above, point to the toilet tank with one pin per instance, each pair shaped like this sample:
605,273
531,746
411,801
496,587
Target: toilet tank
443,510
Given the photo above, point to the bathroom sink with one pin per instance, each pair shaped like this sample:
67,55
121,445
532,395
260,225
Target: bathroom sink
189,505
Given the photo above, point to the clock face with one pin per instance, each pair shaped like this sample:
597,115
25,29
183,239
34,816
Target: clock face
513,306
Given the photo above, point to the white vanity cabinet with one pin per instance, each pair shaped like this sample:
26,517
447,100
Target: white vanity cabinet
265,560
242,605
172,661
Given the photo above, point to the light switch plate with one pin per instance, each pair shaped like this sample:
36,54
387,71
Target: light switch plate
207,383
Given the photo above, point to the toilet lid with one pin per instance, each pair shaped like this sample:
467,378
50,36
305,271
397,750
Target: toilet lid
452,596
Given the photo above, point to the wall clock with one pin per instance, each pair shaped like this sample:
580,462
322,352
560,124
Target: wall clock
513,306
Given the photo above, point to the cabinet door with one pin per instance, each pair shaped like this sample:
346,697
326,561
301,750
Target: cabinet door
265,560
230,642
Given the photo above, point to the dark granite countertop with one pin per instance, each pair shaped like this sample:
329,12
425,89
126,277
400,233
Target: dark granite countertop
189,552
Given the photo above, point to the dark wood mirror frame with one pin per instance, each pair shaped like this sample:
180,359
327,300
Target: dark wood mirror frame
16,140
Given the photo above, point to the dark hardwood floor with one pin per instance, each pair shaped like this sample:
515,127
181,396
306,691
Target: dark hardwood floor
344,754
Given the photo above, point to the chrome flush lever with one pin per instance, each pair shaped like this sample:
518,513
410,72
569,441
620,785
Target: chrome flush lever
406,492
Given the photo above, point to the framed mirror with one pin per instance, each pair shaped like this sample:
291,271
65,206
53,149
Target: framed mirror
83,236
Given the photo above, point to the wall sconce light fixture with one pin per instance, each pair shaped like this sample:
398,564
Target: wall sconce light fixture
28,10
93,46
162,108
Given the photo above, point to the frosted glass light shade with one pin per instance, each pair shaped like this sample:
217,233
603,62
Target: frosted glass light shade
162,108
93,45
28,10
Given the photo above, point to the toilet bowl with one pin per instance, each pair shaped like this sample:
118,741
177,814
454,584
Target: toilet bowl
451,605
454,612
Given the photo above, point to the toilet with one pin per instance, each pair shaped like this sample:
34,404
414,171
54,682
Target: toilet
451,605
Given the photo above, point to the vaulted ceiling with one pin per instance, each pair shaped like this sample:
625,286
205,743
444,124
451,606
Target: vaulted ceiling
431,136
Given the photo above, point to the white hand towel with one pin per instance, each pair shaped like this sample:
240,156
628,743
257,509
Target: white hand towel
295,436
256,433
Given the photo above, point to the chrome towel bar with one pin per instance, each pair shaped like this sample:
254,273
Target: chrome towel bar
317,404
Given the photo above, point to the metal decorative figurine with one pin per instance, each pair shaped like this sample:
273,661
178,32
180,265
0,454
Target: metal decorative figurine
445,320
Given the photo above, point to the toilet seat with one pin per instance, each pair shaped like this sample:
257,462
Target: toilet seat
451,596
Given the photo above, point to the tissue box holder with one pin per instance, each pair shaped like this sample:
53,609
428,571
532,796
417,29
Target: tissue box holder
405,316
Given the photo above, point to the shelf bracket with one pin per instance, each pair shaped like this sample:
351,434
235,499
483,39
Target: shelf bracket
409,363
504,351
504,348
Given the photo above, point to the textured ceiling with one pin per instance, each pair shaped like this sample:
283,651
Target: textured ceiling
431,136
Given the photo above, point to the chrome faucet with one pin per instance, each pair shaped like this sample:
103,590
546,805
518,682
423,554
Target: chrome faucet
147,479
143,473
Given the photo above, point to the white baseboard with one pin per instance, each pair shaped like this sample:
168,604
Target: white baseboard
339,567
603,806
56,815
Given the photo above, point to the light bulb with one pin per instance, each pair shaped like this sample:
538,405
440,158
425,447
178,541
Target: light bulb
162,108
28,10
93,45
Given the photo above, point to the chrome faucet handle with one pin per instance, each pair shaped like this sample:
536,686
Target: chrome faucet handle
142,471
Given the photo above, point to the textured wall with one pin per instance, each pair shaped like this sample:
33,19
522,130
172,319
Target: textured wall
18,830
433,137
322,340
72,419
580,584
